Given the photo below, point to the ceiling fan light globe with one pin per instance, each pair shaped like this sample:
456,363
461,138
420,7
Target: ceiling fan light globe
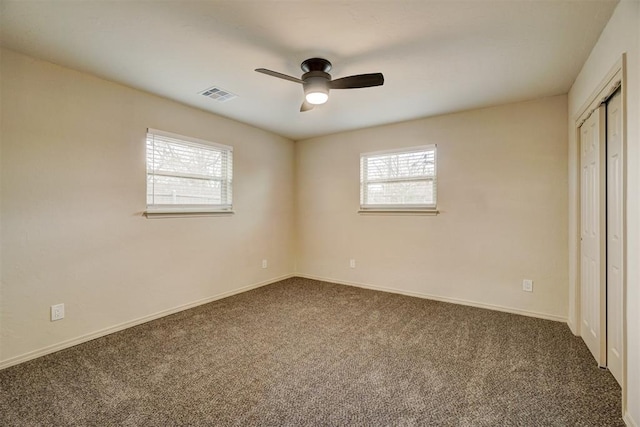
317,98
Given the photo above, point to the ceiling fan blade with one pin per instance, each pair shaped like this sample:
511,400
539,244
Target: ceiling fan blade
306,106
355,82
278,75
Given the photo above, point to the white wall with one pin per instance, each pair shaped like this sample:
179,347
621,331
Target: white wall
73,192
502,193
622,34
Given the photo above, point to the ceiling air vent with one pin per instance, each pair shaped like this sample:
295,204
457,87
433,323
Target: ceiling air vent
218,94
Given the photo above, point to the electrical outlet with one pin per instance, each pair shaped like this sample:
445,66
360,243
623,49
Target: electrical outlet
352,263
527,285
264,263
57,312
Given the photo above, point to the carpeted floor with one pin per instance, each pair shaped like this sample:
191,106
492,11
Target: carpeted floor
302,352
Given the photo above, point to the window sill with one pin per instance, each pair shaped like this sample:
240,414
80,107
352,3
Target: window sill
427,212
182,213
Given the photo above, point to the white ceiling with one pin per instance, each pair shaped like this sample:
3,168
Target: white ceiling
436,56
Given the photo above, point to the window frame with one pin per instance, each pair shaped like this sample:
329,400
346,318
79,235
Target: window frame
417,208
206,209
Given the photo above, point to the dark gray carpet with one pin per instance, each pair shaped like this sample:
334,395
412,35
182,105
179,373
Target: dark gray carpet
303,352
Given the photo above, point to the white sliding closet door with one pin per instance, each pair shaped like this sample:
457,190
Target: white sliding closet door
592,231
614,236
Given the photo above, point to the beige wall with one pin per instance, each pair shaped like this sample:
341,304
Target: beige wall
622,34
502,193
73,190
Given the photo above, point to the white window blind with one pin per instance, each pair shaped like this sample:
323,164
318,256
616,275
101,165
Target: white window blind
187,174
398,179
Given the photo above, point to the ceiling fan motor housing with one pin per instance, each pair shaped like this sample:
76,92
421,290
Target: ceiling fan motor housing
316,76
315,64
315,80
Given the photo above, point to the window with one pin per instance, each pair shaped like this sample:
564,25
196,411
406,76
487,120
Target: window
399,179
187,175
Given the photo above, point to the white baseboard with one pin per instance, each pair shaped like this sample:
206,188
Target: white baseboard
106,331
628,420
440,298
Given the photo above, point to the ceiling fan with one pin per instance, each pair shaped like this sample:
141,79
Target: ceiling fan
316,81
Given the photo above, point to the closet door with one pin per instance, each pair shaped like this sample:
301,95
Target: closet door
615,222
592,232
